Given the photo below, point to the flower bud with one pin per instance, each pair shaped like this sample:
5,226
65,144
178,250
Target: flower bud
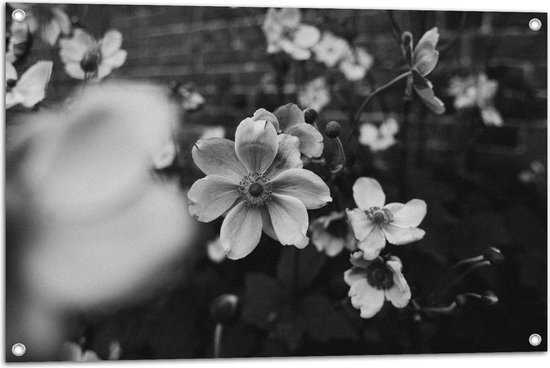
333,129
494,256
461,300
224,308
489,298
310,116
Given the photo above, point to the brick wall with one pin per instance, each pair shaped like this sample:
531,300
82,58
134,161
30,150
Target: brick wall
222,51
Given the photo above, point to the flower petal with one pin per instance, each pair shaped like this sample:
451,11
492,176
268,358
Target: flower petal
211,196
290,220
289,115
406,215
366,298
256,145
354,274
267,225
311,140
74,70
111,42
288,156
424,89
367,193
241,231
216,156
400,236
263,114
115,60
425,56
360,223
400,293
304,185
306,36
73,49
373,244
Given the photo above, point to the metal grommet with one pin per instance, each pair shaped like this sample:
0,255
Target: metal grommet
18,15
18,349
535,24
535,339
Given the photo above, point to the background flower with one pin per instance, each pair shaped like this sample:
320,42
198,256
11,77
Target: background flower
379,138
372,282
30,89
332,233
315,95
331,49
356,63
373,222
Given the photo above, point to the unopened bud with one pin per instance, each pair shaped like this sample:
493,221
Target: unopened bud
489,298
224,308
310,116
494,256
333,129
461,300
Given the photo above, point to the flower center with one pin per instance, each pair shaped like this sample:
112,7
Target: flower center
379,215
379,275
10,83
90,61
255,190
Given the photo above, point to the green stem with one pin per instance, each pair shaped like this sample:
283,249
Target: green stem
370,96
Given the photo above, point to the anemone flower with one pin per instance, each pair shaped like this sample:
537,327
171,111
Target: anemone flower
258,181
30,89
289,119
372,282
285,32
356,63
422,61
315,95
379,138
331,49
332,233
86,58
373,222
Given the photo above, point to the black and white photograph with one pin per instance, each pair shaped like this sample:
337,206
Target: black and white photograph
198,182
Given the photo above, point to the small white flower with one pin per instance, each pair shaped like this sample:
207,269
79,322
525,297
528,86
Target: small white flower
315,95
372,282
379,138
331,49
215,251
373,222
356,64
332,233
30,89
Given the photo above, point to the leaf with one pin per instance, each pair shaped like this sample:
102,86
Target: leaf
310,262
262,299
322,321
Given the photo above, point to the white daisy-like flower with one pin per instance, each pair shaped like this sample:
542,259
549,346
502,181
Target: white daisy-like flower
331,49
356,63
332,233
373,282
373,222
86,58
315,95
379,138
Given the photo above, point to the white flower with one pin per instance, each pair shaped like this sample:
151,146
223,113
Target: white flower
477,91
285,32
86,58
259,182
379,139
315,95
332,233
99,224
373,222
30,89
372,282
356,63
331,49
213,132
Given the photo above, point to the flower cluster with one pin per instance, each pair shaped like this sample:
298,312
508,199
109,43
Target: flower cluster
476,91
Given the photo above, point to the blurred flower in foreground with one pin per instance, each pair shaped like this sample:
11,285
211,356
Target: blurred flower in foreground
379,138
332,234
372,282
373,222
72,352
315,95
290,120
47,21
86,58
356,63
476,91
422,61
102,226
19,42
213,132
331,49
215,250
259,182
30,89
285,32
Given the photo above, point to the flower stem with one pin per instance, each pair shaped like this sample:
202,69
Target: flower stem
461,276
342,154
371,95
296,275
403,169
218,340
